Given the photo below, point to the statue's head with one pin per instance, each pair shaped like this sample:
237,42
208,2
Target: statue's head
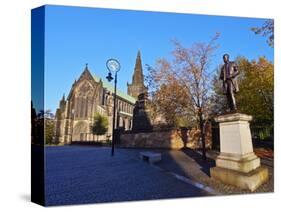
225,58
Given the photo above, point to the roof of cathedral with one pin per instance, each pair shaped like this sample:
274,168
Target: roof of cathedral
107,85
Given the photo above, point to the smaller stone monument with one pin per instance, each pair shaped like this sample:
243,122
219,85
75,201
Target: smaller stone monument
141,119
237,163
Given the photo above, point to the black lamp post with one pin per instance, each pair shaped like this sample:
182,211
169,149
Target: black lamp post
113,66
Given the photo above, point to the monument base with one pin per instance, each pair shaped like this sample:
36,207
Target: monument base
251,180
237,163
241,163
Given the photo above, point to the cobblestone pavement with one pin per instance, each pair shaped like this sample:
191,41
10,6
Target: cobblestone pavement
86,174
189,163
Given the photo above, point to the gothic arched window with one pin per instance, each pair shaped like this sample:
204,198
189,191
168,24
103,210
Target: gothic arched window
84,100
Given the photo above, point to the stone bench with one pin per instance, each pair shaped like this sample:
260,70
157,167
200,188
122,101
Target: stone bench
151,157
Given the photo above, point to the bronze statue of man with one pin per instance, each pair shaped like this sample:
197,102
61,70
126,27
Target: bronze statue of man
228,75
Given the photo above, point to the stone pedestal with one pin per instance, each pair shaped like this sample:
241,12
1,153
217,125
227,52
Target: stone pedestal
237,164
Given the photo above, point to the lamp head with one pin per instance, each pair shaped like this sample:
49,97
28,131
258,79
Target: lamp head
109,77
113,65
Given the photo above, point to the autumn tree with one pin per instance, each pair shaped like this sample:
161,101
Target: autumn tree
100,125
266,30
181,87
256,96
171,102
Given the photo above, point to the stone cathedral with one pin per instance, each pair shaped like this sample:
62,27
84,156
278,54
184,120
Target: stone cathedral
89,95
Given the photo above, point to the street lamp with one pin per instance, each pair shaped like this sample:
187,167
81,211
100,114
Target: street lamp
113,66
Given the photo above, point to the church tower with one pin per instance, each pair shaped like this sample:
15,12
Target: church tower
137,86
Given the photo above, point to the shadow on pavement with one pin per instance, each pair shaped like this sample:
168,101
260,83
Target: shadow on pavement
187,163
205,164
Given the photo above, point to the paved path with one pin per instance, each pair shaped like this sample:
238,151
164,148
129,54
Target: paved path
76,175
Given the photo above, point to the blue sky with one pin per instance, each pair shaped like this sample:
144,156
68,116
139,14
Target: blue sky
75,36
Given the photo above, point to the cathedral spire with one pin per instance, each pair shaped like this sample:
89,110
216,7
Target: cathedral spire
138,74
137,87
62,101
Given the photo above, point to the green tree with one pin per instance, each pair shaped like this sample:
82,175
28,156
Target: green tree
33,123
100,125
49,130
43,125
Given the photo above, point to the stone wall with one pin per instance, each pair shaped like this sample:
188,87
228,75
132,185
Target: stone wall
193,138
170,139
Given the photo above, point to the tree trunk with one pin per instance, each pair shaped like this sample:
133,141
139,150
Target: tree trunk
202,135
